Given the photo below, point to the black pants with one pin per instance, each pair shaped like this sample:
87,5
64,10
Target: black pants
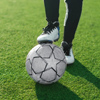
73,12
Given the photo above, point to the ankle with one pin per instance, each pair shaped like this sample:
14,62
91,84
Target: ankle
55,23
66,47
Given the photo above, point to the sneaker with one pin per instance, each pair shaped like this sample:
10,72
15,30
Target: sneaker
50,33
67,48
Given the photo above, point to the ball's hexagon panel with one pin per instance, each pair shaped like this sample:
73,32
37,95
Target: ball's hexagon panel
61,67
38,65
51,45
35,77
48,75
45,82
32,53
44,51
28,67
58,53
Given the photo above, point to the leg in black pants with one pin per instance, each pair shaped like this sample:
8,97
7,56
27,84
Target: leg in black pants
52,10
73,12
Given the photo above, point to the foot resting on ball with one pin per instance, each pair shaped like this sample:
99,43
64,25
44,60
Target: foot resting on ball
67,48
50,33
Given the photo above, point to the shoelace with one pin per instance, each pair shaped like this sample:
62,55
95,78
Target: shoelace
49,28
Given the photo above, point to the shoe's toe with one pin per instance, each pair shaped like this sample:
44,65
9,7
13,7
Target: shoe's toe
43,39
70,60
40,38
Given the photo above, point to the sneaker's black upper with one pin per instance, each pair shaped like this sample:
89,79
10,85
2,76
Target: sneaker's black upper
50,27
66,47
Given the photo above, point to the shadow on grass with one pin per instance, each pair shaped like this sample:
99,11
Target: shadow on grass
77,69
55,91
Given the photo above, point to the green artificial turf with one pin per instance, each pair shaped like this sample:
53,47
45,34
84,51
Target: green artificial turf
21,22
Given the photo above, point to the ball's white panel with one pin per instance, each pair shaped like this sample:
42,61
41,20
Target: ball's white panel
61,68
44,82
51,45
58,53
32,53
28,67
35,77
57,78
44,51
51,62
49,75
38,65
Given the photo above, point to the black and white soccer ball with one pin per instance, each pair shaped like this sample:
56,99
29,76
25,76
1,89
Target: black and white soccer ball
46,63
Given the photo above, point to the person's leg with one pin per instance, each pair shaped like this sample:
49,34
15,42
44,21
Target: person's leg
74,8
73,12
52,10
51,31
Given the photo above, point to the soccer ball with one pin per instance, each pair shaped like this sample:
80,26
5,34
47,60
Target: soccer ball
46,63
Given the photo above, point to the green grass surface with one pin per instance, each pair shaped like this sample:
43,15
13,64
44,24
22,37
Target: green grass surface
21,22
